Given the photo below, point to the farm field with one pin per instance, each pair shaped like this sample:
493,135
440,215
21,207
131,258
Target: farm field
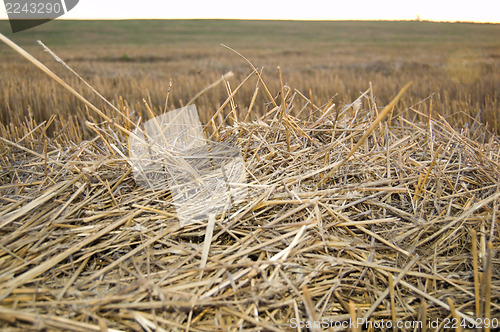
370,200
454,64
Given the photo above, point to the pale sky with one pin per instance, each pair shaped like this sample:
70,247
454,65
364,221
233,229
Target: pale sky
435,10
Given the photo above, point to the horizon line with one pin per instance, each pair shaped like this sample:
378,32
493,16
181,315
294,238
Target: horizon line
264,19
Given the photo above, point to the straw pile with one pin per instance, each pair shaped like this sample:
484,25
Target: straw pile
349,218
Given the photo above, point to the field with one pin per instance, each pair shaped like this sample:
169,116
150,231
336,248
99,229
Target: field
455,65
369,199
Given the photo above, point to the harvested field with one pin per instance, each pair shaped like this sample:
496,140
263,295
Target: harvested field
355,211
457,65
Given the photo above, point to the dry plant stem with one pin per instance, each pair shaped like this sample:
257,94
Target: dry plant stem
487,285
283,115
379,238
393,302
310,308
222,79
454,314
271,98
475,265
423,316
375,123
312,102
206,244
252,102
73,278
421,185
353,317
386,292
146,324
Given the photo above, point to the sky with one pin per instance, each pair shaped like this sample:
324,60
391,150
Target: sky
434,10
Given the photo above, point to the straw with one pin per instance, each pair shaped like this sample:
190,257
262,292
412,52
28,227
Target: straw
83,247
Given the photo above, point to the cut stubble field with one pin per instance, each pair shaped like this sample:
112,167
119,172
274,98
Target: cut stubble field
456,65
